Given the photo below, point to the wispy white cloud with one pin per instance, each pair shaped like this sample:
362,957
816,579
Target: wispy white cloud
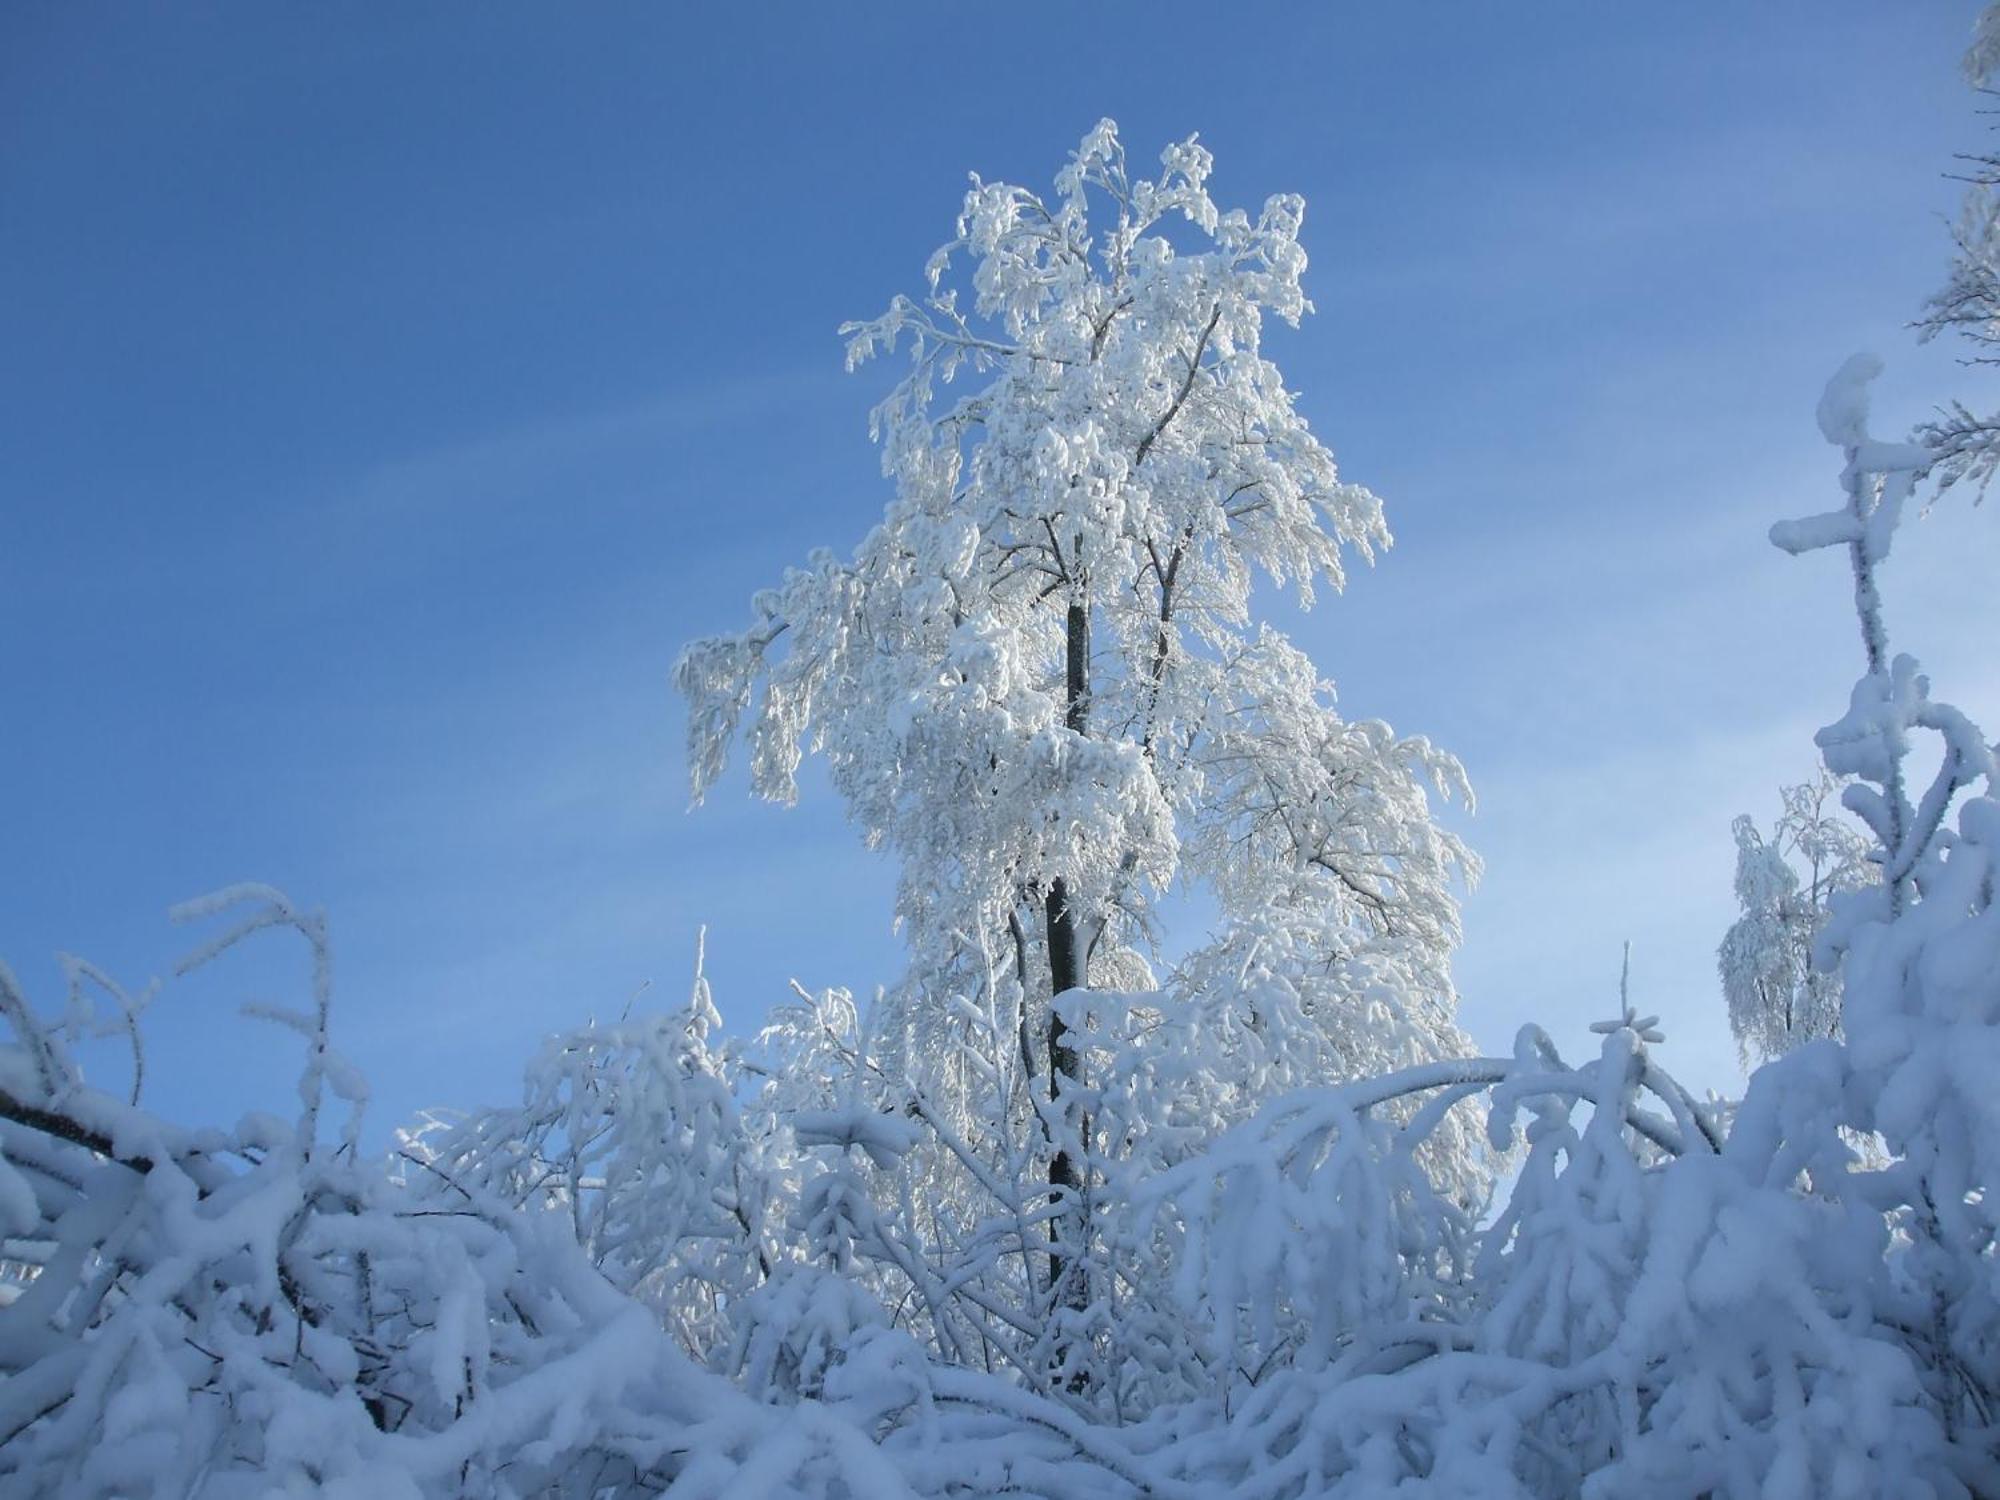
528,462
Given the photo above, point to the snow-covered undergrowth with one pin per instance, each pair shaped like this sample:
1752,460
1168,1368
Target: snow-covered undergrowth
1042,1223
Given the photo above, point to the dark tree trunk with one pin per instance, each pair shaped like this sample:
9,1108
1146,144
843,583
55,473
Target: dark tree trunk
1063,975
1066,955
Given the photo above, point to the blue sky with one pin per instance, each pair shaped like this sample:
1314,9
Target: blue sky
385,400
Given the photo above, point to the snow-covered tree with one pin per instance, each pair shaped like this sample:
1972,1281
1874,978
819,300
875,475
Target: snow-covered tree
1786,884
1919,955
1966,442
631,1134
1040,681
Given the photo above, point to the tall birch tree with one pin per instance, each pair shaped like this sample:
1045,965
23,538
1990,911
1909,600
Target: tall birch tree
1040,682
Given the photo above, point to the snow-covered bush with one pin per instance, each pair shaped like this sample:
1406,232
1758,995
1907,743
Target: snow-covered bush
261,1311
631,1132
256,1311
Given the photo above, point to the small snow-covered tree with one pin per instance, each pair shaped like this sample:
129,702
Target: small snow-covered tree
1786,884
629,1133
1040,681
1966,442
1919,955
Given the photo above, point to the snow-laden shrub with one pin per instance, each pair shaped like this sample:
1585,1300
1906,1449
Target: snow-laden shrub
631,1132
262,1311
